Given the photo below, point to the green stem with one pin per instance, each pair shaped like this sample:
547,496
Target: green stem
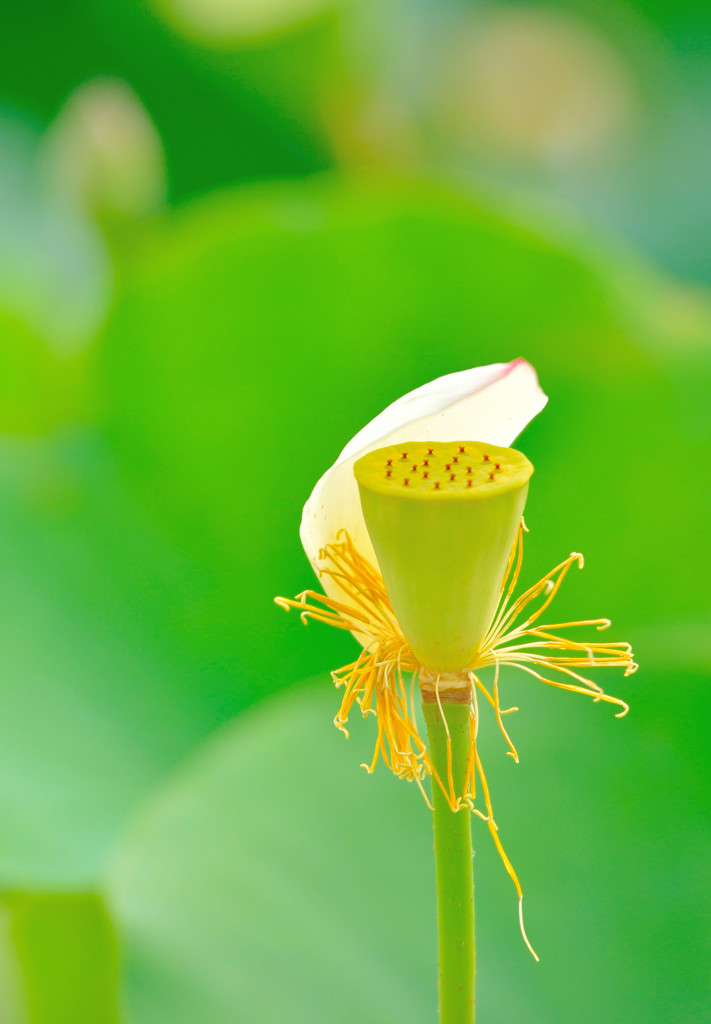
453,866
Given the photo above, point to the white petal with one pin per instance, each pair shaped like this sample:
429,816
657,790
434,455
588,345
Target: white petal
488,403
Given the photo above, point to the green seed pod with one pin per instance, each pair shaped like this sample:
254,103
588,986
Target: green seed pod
442,517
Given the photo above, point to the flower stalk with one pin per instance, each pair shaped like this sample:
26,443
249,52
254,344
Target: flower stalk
448,737
417,540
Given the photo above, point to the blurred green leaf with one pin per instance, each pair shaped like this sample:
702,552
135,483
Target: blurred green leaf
259,330
252,888
254,334
271,879
103,684
59,960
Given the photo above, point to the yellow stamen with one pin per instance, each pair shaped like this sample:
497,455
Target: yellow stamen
375,680
494,701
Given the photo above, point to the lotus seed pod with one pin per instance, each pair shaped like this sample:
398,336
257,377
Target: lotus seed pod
442,518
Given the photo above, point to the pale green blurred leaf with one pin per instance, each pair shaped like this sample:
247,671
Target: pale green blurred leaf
272,879
103,685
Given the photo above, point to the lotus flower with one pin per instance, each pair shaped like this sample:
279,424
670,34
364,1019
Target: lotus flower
416,536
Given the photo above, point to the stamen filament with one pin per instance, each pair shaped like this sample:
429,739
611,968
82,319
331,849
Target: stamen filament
375,680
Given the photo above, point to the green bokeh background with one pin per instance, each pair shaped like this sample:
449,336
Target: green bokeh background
184,837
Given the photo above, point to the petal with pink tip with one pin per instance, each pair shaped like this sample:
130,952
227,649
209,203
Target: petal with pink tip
488,403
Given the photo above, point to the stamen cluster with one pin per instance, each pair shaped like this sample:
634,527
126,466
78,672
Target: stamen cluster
377,681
